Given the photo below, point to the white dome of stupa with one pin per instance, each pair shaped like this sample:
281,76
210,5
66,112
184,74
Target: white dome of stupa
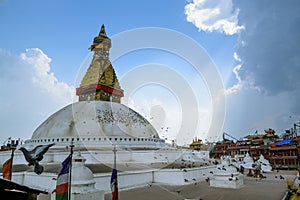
96,124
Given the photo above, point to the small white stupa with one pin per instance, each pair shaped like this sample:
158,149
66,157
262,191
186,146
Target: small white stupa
226,176
264,163
83,183
248,162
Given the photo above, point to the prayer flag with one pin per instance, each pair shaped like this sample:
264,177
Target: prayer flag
6,169
114,184
62,184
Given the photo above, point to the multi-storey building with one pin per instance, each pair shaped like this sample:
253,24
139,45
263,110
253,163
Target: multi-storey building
281,152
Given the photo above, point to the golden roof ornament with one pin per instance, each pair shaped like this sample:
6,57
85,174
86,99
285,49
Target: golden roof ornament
101,41
100,83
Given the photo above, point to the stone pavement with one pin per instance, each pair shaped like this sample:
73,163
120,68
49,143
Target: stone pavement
271,187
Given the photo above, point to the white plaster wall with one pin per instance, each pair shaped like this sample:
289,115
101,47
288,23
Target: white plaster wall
106,156
42,182
174,177
125,180
132,179
183,176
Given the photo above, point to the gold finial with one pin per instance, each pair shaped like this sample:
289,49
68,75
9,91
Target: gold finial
101,41
102,31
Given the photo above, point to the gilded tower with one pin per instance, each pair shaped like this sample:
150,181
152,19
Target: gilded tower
100,83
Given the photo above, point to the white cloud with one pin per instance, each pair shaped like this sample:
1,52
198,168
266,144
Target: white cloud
236,57
213,16
236,87
44,78
30,92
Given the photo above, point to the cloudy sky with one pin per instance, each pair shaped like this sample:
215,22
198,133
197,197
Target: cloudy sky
253,45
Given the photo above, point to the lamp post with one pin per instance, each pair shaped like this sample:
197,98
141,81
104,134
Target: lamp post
295,128
70,172
296,145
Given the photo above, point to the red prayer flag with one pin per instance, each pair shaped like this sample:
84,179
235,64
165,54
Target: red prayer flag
6,169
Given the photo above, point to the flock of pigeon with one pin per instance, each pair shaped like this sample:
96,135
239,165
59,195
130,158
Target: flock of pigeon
121,116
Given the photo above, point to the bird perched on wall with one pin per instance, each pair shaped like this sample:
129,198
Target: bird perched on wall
35,155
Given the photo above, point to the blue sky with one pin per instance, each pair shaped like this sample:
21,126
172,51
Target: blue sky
33,87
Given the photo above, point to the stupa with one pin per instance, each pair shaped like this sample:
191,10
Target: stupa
248,162
226,176
97,123
83,183
98,120
264,163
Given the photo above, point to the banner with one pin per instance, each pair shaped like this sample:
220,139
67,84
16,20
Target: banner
6,169
62,184
114,184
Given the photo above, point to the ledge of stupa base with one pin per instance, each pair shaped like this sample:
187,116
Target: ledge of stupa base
94,144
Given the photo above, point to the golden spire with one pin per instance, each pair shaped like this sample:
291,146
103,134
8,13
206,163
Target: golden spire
101,41
100,83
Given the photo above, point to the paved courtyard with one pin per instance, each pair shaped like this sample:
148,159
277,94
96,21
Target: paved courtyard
271,187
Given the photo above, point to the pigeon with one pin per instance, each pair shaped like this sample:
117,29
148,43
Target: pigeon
35,155
38,169
281,177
